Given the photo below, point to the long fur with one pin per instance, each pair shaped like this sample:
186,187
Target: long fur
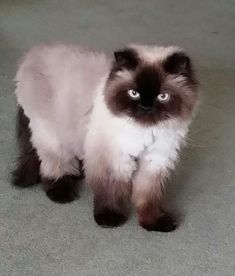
68,95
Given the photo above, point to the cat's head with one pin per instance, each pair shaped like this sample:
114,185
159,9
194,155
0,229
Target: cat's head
150,84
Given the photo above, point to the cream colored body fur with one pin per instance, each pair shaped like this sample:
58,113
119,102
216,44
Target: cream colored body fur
60,88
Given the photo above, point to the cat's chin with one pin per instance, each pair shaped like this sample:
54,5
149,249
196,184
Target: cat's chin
148,120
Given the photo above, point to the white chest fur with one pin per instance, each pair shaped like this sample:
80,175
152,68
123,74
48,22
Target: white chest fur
158,145
122,141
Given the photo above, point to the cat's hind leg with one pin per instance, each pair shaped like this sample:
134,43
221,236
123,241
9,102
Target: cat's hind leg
60,177
26,173
59,167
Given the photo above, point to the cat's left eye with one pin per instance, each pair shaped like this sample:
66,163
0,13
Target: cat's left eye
133,94
163,97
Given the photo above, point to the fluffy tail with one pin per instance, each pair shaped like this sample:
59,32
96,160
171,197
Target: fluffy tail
27,171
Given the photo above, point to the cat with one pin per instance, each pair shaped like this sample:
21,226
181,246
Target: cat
121,121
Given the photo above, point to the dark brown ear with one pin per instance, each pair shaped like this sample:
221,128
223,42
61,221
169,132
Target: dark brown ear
126,58
179,63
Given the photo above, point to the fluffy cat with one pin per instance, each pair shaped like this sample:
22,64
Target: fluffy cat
125,119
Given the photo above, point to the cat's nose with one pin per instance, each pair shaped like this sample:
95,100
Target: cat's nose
145,108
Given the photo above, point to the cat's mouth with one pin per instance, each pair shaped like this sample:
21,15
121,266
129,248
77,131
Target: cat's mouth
147,117
150,117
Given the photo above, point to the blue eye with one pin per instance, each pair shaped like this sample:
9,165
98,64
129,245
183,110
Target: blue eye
133,94
163,97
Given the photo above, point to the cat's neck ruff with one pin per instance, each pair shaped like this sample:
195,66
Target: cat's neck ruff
129,136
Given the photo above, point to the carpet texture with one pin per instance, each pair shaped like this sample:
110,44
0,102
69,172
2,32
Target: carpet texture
39,237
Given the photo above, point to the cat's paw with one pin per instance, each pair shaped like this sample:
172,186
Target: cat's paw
27,172
109,218
165,223
25,178
63,190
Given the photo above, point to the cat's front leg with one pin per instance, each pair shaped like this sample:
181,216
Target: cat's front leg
109,176
111,202
148,189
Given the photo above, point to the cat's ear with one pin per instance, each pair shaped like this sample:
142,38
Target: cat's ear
126,58
179,63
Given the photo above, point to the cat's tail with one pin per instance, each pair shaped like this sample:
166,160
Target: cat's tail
27,172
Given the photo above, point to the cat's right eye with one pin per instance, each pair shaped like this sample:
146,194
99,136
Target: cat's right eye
133,94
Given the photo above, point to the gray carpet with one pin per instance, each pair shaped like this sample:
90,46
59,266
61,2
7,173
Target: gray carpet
38,237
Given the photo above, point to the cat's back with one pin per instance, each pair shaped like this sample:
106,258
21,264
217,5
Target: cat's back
59,76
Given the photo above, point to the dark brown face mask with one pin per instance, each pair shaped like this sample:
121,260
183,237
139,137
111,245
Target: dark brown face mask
148,97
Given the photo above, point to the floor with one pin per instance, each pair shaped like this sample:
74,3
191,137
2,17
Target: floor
39,237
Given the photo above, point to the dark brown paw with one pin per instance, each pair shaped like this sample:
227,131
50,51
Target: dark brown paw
63,190
109,218
165,223
24,179
27,172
